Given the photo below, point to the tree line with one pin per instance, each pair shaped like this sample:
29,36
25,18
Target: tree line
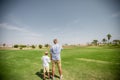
106,41
95,42
40,46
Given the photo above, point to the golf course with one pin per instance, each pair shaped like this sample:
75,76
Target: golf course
78,63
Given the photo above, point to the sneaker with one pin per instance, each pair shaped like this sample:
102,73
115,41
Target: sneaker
53,78
44,79
61,77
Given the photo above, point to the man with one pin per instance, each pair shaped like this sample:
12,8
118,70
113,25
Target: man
55,58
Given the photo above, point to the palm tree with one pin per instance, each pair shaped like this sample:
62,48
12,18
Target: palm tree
109,37
95,42
104,40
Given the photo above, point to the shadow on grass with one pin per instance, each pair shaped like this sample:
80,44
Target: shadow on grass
40,74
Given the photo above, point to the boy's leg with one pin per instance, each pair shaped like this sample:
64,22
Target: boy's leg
48,72
44,76
48,75
44,73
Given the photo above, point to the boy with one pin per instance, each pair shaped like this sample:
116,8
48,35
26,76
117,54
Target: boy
46,61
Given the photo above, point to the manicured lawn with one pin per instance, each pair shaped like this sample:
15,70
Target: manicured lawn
88,63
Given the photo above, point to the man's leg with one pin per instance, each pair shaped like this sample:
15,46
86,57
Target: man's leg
53,69
59,67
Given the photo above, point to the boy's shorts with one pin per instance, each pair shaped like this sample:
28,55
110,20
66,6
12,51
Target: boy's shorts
46,69
58,62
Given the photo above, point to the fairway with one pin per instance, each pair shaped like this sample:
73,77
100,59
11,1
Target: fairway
78,63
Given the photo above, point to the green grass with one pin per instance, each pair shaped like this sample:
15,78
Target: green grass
26,64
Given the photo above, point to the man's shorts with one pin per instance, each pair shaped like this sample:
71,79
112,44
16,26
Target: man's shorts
58,62
46,69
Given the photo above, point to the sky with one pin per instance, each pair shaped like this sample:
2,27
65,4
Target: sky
70,21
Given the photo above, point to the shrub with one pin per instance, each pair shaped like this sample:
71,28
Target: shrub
47,45
33,46
22,46
40,46
16,46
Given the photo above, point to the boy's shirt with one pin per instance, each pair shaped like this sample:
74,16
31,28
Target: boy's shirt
46,61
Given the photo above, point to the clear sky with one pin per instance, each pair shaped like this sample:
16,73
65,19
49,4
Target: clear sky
71,21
